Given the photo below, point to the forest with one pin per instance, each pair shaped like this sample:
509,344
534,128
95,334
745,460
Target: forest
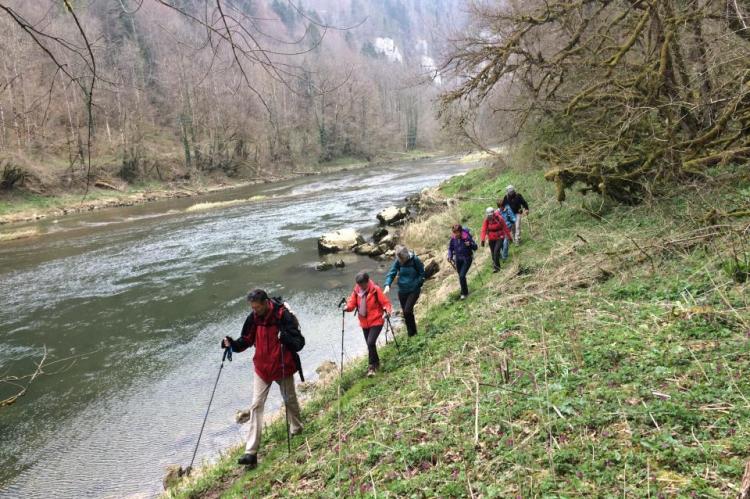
164,90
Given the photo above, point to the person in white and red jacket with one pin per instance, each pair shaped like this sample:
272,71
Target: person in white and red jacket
371,305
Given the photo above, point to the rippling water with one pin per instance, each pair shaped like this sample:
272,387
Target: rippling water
138,298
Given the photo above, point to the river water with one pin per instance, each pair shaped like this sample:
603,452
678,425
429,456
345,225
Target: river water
137,300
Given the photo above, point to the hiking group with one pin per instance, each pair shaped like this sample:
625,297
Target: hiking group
274,331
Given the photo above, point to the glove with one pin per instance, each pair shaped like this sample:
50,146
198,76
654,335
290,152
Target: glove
227,341
483,244
386,289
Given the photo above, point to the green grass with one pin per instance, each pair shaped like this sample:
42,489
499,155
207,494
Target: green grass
607,358
21,201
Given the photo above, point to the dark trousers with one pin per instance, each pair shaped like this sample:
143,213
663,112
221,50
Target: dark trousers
462,266
371,337
496,250
408,300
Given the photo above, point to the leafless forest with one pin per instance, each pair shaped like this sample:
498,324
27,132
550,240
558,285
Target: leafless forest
165,89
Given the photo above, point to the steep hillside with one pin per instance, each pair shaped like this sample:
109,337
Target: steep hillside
609,357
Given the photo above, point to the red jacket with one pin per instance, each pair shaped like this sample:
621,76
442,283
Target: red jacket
377,302
263,333
496,228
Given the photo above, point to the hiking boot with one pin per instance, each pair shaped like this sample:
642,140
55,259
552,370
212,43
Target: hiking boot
249,460
296,431
370,372
495,271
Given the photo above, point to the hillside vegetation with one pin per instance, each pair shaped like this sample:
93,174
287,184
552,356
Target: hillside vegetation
621,97
609,357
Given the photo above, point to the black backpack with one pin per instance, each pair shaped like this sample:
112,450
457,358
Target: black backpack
290,338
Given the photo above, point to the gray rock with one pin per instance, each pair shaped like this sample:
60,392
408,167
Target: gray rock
390,241
340,240
368,249
392,215
431,268
243,416
379,234
323,266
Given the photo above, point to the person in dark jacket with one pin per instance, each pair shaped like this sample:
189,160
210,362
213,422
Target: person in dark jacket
461,248
518,205
268,328
371,304
410,271
496,230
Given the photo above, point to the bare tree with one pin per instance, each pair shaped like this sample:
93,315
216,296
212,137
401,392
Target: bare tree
623,95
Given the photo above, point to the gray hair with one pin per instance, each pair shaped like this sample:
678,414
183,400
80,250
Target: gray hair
402,252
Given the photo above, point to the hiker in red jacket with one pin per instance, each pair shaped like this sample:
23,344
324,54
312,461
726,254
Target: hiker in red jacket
496,230
272,330
371,303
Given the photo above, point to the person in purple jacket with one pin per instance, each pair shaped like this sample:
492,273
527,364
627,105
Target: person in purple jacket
461,250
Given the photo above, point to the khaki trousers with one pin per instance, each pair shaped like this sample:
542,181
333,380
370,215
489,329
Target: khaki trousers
260,393
517,235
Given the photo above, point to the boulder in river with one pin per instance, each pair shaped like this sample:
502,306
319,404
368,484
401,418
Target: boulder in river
339,264
340,240
323,266
368,249
392,215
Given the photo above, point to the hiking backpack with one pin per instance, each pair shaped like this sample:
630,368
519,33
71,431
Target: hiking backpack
293,338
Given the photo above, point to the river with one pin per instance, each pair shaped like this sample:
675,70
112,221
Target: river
137,300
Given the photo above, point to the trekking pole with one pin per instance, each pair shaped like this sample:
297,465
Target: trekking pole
341,367
286,403
227,355
341,381
393,332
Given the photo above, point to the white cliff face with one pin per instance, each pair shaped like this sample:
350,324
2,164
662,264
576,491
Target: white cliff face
388,48
430,69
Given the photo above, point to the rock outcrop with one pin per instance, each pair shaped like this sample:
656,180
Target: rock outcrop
392,215
431,267
379,234
340,240
368,249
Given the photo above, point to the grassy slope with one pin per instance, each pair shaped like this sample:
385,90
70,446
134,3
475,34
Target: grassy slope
627,346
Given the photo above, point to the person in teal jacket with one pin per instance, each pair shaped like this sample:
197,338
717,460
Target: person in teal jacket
411,276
